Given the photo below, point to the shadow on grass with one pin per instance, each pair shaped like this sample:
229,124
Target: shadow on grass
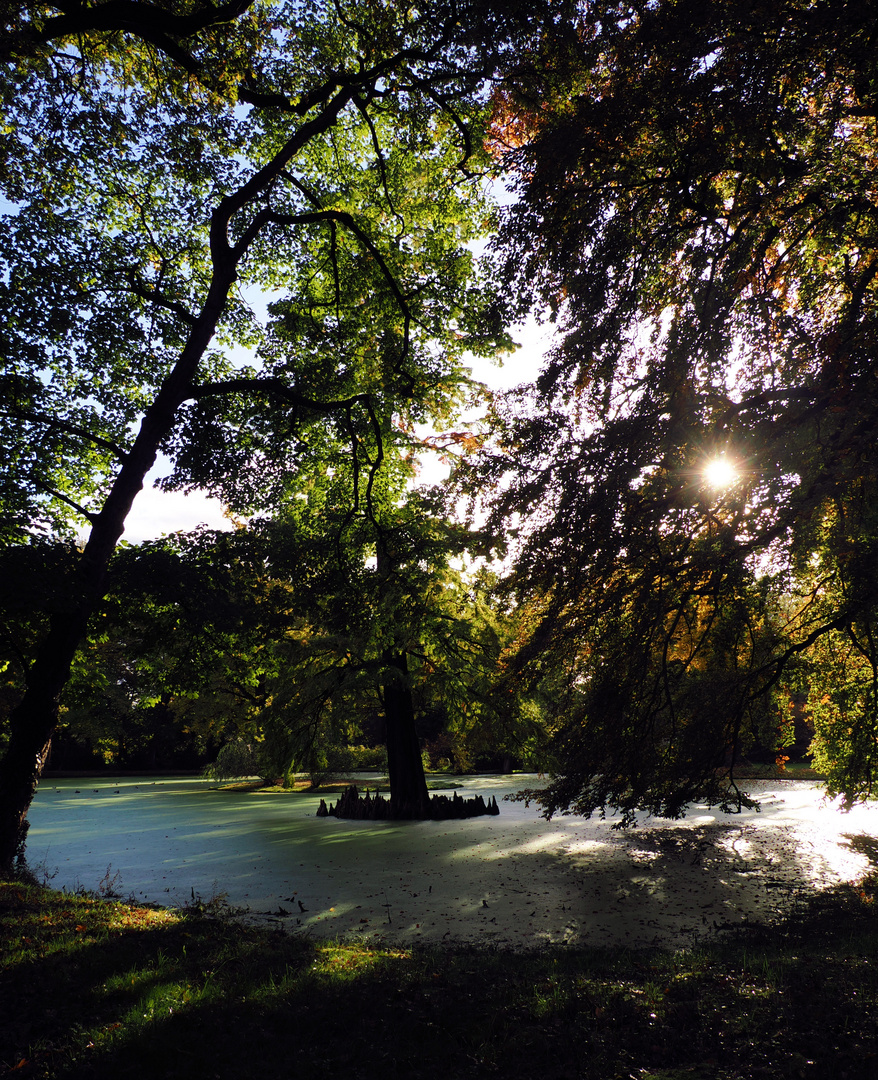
864,845
91,989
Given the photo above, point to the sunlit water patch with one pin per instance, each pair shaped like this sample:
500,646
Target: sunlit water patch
515,881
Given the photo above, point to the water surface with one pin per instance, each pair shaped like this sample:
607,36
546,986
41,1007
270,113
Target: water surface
515,880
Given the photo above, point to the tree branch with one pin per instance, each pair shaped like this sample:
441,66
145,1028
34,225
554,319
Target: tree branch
71,429
265,217
221,250
89,517
272,386
143,20
259,99
778,663
374,465
766,397
379,154
347,85
155,296
355,483
443,102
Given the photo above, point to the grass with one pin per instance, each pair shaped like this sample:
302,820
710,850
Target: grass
93,988
790,770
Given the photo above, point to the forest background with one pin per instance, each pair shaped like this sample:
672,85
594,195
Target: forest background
693,207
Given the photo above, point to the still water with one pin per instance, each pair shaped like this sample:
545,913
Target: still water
515,881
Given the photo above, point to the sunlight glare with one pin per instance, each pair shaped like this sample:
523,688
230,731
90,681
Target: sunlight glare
720,473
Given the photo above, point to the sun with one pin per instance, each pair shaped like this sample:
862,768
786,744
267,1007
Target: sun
720,473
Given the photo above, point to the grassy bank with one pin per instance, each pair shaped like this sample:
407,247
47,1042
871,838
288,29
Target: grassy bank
96,988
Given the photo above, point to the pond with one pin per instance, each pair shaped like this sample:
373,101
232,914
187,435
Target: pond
515,881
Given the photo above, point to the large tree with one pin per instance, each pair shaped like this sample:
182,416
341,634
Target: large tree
385,625
305,144
698,211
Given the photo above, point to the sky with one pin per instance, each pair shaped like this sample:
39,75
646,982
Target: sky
156,513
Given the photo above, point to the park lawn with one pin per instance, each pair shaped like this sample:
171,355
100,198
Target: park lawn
94,988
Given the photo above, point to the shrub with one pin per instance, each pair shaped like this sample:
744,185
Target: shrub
236,759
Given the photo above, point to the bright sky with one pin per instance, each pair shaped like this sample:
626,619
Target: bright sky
156,512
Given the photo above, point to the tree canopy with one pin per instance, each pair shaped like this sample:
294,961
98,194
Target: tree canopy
326,154
243,236
697,210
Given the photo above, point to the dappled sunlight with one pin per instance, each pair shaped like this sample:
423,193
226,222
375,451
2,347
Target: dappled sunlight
864,846
338,960
643,856
514,881
737,845
577,847
544,842
829,862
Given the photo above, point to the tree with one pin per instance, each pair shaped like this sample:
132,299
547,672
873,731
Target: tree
170,30
142,199
175,664
400,633
697,210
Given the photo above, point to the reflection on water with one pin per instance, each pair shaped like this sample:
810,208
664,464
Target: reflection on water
516,880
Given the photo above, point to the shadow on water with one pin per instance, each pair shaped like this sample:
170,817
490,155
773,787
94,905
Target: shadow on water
514,881
865,845
672,885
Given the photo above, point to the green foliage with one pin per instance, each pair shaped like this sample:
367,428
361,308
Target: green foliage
386,589
273,637
697,213
348,195
235,759
156,180
35,582
179,651
110,181
842,668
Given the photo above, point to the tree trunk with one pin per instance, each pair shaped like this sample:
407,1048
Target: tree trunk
33,721
408,785
32,724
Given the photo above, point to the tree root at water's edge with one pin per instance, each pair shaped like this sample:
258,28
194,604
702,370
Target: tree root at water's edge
376,807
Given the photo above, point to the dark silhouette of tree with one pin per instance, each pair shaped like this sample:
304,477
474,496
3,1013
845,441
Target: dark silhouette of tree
172,28
698,211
